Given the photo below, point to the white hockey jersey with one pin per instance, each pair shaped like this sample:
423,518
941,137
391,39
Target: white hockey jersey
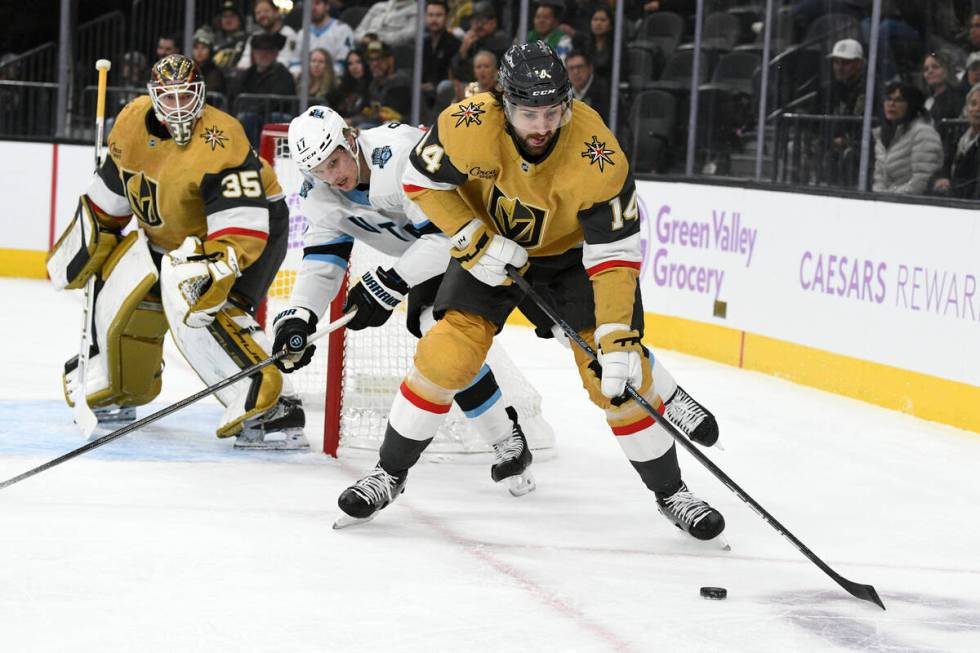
381,217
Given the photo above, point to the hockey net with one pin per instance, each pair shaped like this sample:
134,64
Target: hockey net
353,377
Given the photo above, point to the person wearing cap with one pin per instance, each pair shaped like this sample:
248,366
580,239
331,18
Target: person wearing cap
202,54
269,20
971,74
547,21
392,20
265,76
836,145
484,34
229,35
390,90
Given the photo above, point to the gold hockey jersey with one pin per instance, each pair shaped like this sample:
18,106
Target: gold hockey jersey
580,193
215,187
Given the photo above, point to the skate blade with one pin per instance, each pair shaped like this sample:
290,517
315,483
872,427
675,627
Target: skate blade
521,484
287,444
346,521
722,542
717,445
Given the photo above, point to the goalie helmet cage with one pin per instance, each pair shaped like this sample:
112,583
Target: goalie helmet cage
355,376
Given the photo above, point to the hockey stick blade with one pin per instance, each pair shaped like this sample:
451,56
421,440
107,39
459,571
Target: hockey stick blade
857,590
173,408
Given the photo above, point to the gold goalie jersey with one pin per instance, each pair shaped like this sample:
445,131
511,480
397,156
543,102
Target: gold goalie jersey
581,193
214,188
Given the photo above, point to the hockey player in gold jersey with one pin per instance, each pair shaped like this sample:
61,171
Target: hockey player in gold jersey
212,233
525,176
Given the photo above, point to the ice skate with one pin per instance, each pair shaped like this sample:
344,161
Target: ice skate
362,501
692,515
115,416
693,419
279,429
512,459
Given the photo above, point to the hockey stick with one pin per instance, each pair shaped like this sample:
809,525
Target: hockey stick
84,416
173,408
864,592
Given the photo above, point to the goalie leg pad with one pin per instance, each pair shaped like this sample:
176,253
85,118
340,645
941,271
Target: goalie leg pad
129,327
81,250
232,342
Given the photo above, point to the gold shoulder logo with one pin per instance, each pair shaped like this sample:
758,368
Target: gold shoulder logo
214,137
469,114
598,154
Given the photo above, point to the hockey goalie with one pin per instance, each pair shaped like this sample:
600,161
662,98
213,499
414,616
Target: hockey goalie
212,232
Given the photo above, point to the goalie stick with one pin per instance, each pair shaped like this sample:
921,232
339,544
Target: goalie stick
173,408
857,590
84,416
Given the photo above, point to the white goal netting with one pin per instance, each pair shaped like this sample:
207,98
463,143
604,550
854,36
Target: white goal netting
353,380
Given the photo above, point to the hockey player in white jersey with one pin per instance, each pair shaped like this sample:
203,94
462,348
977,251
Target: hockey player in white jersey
353,191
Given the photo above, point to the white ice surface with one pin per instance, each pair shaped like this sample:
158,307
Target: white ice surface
168,540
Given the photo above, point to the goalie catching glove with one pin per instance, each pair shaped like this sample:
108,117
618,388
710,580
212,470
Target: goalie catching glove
375,296
291,328
620,355
485,254
197,277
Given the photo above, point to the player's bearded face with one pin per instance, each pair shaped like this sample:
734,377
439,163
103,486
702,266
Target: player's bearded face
535,127
339,170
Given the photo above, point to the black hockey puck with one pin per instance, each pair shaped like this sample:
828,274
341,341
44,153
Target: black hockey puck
716,593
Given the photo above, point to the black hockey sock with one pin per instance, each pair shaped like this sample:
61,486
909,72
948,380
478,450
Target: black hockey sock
399,453
661,475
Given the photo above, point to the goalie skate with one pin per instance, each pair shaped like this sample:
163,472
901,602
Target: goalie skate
692,515
693,419
512,458
279,429
362,501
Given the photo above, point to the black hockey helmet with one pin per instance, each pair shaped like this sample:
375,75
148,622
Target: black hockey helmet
532,75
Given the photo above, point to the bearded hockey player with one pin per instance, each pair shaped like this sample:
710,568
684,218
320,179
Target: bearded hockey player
527,177
353,191
212,233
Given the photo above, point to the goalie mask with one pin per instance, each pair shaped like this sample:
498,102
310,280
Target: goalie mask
537,94
177,93
314,135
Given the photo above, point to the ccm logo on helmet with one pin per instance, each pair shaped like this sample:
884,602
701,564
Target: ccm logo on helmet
545,92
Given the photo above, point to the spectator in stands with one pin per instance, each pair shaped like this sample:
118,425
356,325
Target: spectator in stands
351,96
972,41
390,90
586,86
599,43
638,9
334,36
438,45
961,169
266,76
322,76
392,20
547,18
907,148
946,96
229,35
484,73
578,16
971,76
837,144
166,44
202,54
135,71
483,34
269,20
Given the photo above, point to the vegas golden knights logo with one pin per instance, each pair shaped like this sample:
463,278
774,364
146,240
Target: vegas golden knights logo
516,220
142,193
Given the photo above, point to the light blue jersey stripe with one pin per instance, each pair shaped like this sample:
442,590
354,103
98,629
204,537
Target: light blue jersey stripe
327,258
484,407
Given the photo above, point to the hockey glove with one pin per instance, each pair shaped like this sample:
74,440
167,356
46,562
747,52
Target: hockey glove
375,296
290,329
199,277
621,357
486,254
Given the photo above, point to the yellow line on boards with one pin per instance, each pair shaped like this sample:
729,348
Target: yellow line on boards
23,263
